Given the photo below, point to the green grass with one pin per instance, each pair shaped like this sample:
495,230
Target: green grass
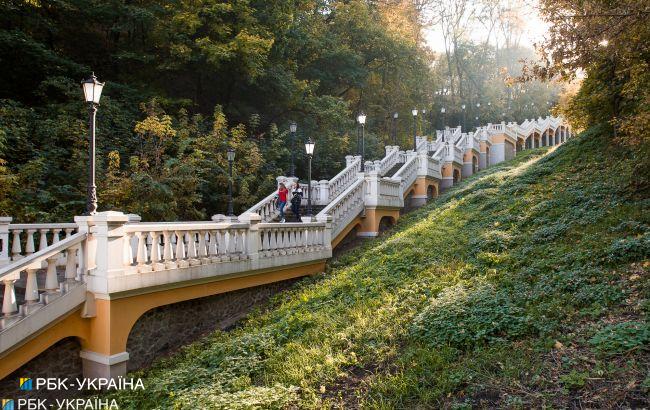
526,285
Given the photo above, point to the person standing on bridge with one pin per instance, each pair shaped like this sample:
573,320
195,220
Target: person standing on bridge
282,199
296,200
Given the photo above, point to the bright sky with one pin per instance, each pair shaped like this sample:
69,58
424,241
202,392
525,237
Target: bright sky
534,29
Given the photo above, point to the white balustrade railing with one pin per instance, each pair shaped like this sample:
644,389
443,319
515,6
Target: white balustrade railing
160,246
267,208
14,309
408,173
345,207
421,144
291,238
344,179
391,159
23,239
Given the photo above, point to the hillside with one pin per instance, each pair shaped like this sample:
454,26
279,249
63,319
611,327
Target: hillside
526,285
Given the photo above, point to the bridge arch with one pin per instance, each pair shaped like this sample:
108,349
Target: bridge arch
456,175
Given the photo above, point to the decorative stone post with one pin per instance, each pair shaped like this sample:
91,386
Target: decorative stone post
104,260
4,240
253,245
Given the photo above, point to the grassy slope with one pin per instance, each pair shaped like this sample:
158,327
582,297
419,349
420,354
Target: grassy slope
526,285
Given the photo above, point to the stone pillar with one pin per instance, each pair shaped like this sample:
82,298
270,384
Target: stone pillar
96,365
497,153
447,176
103,259
324,192
4,240
253,244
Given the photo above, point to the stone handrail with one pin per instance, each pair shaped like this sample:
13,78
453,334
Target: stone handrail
408,172
390,160
73,250
345,207
25,233
162,246
422,144
267,208
291,238
343,179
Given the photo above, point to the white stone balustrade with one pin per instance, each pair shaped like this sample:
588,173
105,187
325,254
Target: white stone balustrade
37,307
345,178
345,207
408,172
382,191
23,238
134,256
391,159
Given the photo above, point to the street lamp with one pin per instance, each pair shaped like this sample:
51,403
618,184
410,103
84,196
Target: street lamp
362,121
309,149
92,92
292,129
463,108
443,111
414,111
231,159
395,115
478,113
424,121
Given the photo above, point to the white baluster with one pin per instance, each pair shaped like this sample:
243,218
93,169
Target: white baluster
141,258
203,253
180,251
9,305
16,249
213,247
29,242
31,290
191,248
51,279
168,253
71,264
128,251
155,251
42,243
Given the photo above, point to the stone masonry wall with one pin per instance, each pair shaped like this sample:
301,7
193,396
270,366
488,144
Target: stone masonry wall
157,333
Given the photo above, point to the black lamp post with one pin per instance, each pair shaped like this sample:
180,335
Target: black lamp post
424,122
463,108
478,113
92,92
292,129
309,148
231,159
362,122
395,115
414,111
443,111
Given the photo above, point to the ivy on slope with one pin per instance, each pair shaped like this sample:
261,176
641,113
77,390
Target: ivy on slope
462,290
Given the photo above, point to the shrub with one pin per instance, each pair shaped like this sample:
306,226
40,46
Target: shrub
622,338
463,318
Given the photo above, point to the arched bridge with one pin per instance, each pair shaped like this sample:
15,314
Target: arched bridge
94,278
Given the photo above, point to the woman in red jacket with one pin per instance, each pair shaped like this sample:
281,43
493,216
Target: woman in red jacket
282,200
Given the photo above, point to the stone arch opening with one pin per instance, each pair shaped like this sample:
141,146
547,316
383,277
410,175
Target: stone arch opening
385,223
456,176
520,144
474,164
431,192
487,157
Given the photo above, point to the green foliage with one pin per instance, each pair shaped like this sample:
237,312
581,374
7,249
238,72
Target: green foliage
427,321
622,338
464,318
